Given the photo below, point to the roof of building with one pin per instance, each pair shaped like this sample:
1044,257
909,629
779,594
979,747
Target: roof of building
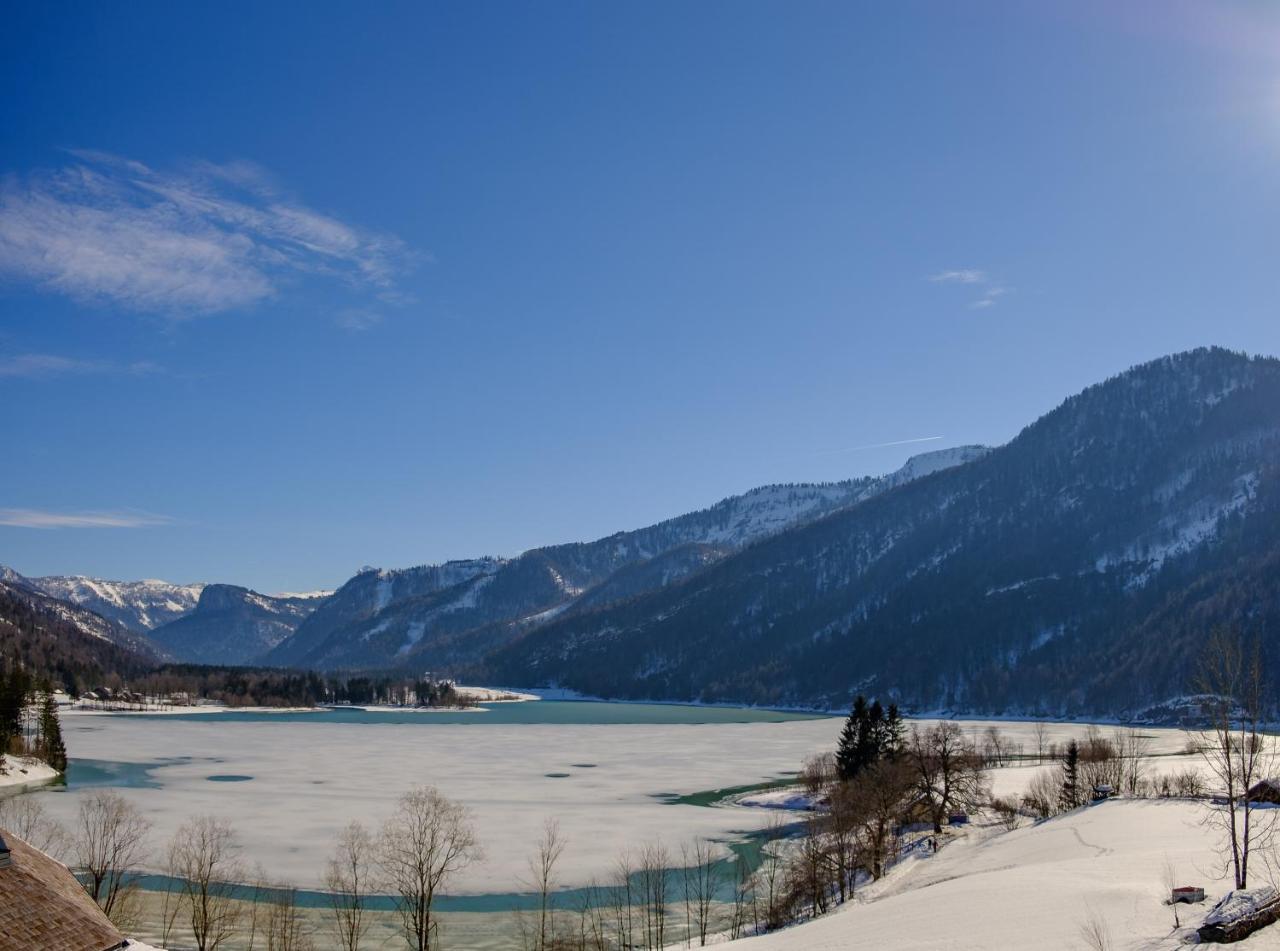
43,906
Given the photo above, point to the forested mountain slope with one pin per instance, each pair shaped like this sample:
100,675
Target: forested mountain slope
440,616
1075,569
64,643
233,625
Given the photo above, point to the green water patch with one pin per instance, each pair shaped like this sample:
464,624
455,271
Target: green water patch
91,773
709,797
228,778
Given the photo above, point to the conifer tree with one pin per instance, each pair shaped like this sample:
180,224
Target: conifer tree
52,749
896,732
849,750
1071,776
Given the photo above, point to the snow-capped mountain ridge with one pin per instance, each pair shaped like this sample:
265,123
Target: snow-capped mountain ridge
139,605
451,613
86,622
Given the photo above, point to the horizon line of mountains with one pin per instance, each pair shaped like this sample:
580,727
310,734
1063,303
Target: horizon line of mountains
1077,569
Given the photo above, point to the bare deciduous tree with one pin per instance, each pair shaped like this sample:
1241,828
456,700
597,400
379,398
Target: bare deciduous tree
1236,751
427,841
110,844
206,858
285,927
1094,933
948,771
1043,796
701,882
623,900
26,818
540,933
1042,740
654,860
347,881
1133,747
1169,878
881,798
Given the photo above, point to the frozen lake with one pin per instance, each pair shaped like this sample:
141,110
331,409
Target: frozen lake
289,782
607,772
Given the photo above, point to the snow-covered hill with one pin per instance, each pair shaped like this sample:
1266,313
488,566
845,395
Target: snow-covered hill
1035,888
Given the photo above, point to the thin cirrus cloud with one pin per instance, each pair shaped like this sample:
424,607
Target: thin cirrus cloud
40,518
988,289
206,239
33,366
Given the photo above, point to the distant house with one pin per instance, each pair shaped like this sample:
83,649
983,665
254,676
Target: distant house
43,906
1267,790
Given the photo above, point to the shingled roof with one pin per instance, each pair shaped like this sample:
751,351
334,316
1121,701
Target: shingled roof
42,906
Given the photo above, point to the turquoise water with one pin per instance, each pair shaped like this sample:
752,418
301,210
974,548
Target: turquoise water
533,712
88,773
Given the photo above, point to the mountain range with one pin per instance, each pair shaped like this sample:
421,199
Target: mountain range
441,617
1076,569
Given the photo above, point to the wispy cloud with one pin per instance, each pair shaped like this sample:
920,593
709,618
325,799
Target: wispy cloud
884,445
961,276
990,290
37,365
358,320
39,518
208,238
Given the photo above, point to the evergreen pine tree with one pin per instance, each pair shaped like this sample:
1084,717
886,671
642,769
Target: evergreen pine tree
849,751
896,732
52,749
1071,776
877,734
13,696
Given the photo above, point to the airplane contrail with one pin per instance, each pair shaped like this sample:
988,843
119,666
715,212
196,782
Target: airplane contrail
882,445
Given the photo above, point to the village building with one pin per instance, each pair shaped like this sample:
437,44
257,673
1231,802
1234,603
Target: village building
43,906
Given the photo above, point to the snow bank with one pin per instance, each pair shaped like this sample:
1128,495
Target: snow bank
1242,903
25,771
793,797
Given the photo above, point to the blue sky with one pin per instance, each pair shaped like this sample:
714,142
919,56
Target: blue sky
285,290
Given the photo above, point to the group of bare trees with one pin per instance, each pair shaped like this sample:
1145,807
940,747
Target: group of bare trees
1235,751
211,896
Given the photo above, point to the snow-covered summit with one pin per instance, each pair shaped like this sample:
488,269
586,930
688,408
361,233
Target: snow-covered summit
927,463
138,605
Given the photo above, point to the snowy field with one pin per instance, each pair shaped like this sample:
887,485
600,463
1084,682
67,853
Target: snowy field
603,783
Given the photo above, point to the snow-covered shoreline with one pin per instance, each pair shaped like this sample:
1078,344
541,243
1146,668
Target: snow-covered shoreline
22,772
